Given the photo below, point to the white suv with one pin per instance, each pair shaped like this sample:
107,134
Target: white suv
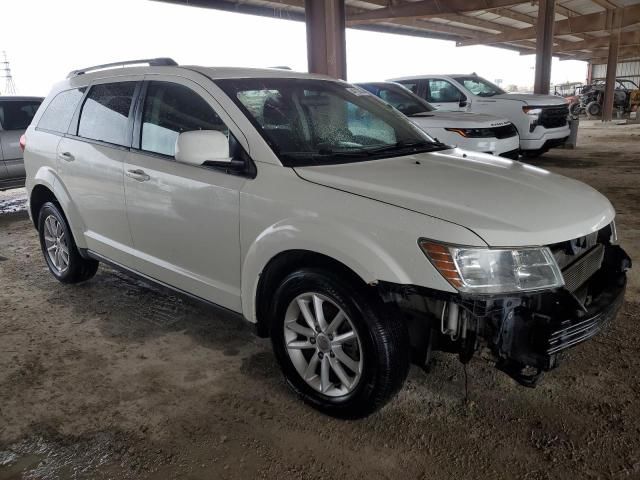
541,120
323,216
469,131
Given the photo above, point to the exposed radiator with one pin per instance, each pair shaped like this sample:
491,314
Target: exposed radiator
576,274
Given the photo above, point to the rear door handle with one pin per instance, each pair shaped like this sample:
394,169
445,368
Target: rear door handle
138,175
66,156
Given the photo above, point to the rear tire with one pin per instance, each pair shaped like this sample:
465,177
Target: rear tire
59,248
343,378
594,109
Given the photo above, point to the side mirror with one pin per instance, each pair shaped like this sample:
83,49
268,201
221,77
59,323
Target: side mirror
463,102
200,146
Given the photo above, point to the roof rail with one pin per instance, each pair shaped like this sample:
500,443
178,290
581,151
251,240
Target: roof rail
152,62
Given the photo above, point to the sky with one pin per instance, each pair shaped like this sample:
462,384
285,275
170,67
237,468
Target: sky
45,39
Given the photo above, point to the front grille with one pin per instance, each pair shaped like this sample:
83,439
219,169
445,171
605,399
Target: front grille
571,332
554,117
507,131
577,273
567,252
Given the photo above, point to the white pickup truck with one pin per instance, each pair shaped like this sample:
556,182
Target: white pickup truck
541,120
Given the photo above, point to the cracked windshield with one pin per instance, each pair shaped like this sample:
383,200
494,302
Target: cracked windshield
321,122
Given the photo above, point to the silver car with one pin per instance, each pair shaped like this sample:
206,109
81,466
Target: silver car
16,114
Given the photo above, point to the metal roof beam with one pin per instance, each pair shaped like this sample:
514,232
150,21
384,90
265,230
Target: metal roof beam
594,22
427,8
623,52
626,39
608,4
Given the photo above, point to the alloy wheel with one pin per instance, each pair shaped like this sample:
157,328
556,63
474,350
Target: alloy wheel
323,344
56,244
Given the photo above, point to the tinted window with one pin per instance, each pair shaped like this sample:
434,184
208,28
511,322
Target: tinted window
169,110
480,86
58,114
404,101
413,86
441,91
17,114
105,113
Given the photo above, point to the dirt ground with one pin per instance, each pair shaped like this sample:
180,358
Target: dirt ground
119,379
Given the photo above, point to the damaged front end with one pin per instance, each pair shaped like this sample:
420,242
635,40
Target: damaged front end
524,333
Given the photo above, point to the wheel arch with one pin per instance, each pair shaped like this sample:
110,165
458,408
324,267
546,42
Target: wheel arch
47,186
282,265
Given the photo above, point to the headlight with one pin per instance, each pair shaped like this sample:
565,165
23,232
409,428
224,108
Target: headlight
473,132
485,270
534,115
614,233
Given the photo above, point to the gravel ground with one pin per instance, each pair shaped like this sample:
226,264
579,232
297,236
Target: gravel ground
119,379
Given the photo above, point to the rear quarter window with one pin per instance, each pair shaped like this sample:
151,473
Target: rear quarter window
17,114
59,112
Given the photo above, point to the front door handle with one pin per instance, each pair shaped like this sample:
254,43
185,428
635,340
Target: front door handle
66,156
138,175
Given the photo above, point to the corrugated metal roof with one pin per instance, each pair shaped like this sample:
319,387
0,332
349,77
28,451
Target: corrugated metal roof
507,24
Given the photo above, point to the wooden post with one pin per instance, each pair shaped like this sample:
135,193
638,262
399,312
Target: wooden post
544,45
326,44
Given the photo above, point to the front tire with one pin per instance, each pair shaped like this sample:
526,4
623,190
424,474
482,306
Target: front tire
59,248
338,345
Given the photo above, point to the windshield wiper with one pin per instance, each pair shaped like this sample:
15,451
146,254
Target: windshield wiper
399,147
422,146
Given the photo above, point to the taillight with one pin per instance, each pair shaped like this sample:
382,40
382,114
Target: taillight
23,142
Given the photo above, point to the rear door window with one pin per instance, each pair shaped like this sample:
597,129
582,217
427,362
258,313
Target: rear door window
17,114
106,111
58,115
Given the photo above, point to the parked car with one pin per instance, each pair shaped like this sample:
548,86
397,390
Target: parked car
323,216
470,131
541,120
16,114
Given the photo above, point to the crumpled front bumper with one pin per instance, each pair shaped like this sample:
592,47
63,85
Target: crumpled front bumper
535,332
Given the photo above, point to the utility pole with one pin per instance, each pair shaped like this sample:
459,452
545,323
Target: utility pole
5,71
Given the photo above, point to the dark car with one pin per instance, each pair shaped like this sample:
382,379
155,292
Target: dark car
16,114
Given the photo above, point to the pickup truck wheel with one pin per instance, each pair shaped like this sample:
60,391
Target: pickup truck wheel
337,344
59,248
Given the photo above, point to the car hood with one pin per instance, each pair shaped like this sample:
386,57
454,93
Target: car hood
438,118
531,99
506,203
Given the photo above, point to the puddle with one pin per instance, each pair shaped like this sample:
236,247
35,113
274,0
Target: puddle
13,201
60,457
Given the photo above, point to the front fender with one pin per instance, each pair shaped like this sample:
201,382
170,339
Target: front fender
369,257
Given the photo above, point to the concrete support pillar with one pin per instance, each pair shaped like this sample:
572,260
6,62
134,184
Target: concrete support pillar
326,45
612,66
544,45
